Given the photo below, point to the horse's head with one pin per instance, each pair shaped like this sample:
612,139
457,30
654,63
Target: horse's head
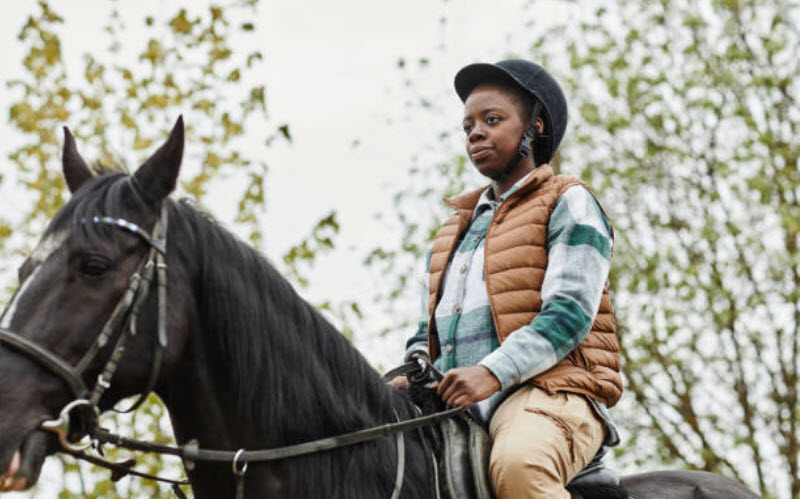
72,287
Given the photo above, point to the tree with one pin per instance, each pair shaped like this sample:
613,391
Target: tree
697,115
194,61
684,118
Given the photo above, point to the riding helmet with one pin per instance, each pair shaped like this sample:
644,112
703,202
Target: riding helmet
534,80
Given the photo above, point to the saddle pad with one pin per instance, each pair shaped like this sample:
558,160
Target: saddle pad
480,446
465,459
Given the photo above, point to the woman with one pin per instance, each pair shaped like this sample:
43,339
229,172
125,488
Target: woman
518,314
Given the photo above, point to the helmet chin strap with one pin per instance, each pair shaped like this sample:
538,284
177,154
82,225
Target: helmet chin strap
524,148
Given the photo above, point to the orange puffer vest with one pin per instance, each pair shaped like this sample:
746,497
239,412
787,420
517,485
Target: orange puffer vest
515,263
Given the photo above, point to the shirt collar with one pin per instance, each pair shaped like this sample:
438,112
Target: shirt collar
487,197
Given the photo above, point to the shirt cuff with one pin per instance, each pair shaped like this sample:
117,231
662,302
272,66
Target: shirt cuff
523,355
503,368
419,346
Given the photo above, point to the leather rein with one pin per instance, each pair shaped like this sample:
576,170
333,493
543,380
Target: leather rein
71,431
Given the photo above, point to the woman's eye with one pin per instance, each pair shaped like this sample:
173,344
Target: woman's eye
467,128
94,266
492,120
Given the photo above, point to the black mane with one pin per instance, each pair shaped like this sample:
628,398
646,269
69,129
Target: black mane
297,377
288,374
265,330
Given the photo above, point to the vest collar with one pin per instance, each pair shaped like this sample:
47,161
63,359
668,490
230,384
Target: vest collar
468,201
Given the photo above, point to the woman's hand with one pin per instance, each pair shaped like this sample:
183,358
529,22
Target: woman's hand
466,385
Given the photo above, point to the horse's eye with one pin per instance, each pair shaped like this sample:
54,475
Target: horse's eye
94,266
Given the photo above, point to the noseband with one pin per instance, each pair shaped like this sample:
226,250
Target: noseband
123,320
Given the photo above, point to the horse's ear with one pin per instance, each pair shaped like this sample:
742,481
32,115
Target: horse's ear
76,171
157,176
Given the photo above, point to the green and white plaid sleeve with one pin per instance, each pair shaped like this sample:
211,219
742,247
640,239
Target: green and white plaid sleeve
579,256
419,341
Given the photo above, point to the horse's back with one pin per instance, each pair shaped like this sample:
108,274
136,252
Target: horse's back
684,485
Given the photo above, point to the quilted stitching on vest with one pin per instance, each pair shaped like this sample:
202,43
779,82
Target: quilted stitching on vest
515,265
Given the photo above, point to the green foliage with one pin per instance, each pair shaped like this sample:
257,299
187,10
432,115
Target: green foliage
298,259
684,118
125,99
686,128
304,252
185,66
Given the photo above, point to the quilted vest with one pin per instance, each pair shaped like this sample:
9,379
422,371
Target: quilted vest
515,264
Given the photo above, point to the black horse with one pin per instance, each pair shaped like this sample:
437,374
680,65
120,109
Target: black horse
249,364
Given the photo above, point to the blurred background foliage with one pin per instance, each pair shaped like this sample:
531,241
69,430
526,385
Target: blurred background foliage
121,106
683,117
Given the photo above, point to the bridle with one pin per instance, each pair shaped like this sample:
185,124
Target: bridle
123,319
153,269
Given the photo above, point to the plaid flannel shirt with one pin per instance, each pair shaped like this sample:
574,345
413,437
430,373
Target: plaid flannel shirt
579,246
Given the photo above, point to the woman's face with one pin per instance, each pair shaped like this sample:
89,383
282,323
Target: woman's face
493,128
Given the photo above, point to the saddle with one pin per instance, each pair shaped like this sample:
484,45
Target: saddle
464,459
463,445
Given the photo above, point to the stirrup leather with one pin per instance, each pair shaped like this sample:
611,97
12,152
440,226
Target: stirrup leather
465,459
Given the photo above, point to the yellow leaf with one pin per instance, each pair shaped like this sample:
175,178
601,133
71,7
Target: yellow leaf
212,160
203,105
180,24
141,143
52,48
154,52
127,121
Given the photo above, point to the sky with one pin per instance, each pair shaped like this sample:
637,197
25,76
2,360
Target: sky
353,47
331,70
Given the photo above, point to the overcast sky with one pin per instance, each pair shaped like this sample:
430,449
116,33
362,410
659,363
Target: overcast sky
331,73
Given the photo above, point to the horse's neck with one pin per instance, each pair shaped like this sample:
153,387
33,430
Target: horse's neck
263,369
197,414
203,407
284,375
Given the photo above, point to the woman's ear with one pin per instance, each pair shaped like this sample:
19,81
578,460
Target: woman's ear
539,125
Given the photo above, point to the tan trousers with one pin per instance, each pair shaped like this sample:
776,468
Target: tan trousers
540,442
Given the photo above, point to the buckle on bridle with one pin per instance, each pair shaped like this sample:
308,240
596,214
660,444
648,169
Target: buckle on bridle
63,423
